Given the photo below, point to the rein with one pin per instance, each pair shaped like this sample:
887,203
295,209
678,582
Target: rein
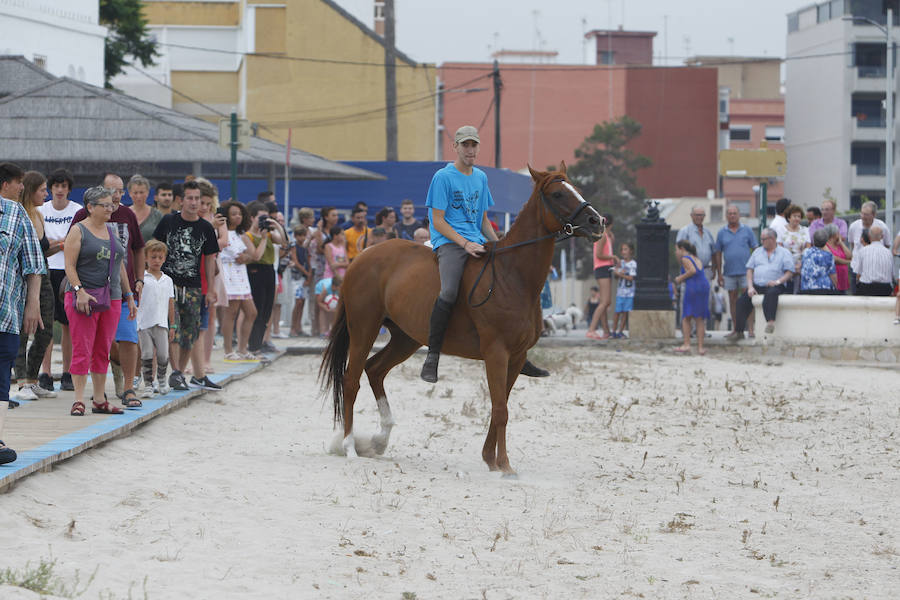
567,231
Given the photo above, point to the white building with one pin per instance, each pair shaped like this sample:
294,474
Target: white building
62,36
834,115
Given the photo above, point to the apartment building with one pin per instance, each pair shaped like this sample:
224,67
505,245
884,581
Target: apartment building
835,126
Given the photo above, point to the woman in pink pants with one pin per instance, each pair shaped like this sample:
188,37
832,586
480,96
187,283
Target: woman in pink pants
88,252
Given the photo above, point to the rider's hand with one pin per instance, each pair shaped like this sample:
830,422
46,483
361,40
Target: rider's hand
473,248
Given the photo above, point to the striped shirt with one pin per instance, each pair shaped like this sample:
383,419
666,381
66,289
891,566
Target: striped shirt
876,265
20,255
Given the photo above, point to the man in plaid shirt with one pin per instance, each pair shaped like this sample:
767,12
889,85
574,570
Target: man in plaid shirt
21,267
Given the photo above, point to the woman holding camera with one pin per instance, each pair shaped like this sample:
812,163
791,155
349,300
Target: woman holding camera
262,273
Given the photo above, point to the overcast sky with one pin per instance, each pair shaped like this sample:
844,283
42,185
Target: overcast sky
469,30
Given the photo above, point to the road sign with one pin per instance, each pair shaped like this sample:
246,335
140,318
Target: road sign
243,133
752,163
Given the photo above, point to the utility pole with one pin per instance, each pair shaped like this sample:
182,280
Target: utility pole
234,149
390,83
889,142
498,85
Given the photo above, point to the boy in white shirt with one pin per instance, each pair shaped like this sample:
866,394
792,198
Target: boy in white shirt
626,273
58,215
156,318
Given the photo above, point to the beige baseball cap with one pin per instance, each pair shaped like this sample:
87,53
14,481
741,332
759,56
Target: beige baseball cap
466,132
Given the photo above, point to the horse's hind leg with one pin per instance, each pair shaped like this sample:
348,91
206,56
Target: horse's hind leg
362,337
398,349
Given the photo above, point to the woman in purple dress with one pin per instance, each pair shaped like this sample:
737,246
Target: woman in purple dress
696,296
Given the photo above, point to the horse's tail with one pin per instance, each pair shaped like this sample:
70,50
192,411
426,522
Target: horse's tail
334,362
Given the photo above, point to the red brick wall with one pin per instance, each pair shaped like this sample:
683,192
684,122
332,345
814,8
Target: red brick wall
678,109
627,50
547,112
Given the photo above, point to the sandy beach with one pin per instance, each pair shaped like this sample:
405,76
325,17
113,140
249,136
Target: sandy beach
640,475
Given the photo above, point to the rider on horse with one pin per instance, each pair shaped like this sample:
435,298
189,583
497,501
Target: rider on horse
458,199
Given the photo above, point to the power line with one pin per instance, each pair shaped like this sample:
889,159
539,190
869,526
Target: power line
508,66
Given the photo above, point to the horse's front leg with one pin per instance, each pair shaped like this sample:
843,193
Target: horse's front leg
501,372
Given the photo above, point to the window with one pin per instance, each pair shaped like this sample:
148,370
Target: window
870,59
743,206
793,22
607,58
40,61
868,158
379,11
867,110
739,133
715,214
775,134
823,13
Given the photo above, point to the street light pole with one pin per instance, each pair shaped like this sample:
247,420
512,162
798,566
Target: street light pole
889,142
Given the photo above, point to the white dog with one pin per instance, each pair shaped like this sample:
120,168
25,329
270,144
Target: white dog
566,320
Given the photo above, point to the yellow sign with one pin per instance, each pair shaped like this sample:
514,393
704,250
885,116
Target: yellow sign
752,163
243,133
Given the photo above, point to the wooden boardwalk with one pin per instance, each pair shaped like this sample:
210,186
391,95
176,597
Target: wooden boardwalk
42,432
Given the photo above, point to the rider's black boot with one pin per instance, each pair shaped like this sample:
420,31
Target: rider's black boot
440,316
529,370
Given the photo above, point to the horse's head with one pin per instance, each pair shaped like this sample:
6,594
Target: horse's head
568,211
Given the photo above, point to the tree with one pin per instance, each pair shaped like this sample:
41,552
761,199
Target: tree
128,40
606,171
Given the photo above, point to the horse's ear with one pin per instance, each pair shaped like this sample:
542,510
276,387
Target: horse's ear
535,175
562,167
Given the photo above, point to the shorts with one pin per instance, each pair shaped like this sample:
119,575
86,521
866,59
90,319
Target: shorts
59,310
187,315
204,314
624,304
603,272
737,282
300,291
127,329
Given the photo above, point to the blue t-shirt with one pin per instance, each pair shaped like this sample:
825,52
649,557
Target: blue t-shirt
464,200
735,248
324,285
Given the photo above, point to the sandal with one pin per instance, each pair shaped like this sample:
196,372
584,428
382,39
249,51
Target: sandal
77,409
7,454
105,408
681,350
129,400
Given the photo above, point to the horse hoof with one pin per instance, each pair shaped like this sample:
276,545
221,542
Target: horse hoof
510,476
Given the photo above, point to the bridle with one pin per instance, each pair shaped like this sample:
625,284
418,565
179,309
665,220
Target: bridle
566,231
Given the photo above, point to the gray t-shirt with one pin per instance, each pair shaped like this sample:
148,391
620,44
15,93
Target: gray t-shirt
93,263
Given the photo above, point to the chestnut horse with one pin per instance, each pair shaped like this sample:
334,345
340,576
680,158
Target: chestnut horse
496,318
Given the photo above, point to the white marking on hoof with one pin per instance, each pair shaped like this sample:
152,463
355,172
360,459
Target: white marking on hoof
380,440
349,446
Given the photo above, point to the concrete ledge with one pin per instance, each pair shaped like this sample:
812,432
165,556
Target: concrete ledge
831,322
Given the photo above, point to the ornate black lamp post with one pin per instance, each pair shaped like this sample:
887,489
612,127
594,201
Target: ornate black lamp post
651,288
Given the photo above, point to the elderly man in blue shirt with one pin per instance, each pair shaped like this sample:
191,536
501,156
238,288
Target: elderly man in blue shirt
735,242
704,242
21,267
769,268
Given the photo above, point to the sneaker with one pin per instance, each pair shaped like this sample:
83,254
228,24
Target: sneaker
45,381
205,384
770,327
26,393
41,392
136,383
268,347
146,391
280,336
897,321
118,378
163,388
177,382
65,383
734,336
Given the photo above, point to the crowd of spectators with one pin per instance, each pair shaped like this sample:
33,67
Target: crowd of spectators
141,287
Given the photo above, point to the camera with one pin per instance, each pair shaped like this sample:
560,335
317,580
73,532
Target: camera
264,223
221,211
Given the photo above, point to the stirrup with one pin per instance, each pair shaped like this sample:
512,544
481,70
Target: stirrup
430,366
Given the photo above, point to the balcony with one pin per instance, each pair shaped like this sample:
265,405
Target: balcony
868,129
867,177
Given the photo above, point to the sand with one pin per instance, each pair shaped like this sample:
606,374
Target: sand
639,476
